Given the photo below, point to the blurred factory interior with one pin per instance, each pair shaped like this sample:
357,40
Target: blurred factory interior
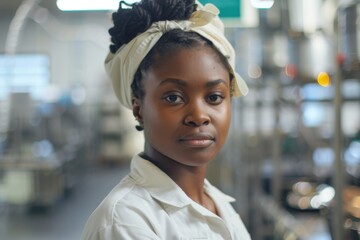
292,160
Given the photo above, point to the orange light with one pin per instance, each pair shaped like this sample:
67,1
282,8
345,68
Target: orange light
323,79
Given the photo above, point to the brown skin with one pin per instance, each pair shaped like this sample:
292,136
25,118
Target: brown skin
185,114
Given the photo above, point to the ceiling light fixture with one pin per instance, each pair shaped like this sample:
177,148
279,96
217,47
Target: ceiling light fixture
262,4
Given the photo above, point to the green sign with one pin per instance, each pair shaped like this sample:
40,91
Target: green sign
228,8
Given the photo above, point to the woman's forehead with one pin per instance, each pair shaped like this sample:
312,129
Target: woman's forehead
188,66
186,52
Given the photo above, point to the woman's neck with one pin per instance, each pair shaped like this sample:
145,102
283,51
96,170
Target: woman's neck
189,178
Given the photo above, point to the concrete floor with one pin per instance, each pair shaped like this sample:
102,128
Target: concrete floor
66,219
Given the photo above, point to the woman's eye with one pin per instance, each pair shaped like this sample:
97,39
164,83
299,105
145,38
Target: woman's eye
215,98
173,99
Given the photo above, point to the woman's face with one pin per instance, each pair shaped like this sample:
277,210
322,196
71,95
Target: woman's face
186,108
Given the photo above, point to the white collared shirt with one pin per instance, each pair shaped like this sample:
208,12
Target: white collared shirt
148,204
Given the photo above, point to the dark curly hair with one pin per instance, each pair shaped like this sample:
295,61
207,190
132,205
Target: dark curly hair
130,22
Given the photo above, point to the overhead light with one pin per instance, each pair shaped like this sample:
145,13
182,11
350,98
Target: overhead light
262,4
90,5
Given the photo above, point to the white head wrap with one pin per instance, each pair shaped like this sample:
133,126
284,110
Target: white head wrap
122,66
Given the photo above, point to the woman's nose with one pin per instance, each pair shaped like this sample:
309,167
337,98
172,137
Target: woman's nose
197,115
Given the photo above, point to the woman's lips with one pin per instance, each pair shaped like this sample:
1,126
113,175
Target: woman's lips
198,140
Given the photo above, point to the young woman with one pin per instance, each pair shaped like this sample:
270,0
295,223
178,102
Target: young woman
171,64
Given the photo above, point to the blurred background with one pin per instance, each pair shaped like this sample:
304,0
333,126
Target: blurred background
293,155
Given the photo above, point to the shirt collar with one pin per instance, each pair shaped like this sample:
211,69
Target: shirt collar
163,188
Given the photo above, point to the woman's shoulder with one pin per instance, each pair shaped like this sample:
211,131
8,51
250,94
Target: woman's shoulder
126,198
127,203
127,194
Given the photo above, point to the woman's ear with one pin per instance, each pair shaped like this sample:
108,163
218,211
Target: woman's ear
137,112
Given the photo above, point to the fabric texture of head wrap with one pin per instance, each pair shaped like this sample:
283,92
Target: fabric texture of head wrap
122,66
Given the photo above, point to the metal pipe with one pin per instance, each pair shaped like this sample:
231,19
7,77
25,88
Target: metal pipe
338,179
17,24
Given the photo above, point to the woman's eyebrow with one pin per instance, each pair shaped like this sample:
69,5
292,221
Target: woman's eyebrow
180,82
216,82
